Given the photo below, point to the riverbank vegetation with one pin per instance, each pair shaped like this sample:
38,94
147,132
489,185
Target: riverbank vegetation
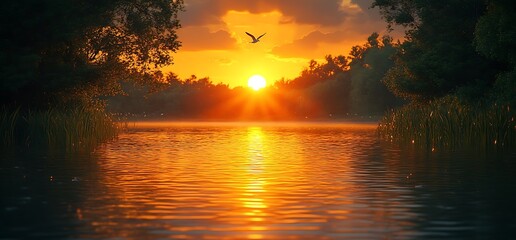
457,70
58,59
447,123
79,128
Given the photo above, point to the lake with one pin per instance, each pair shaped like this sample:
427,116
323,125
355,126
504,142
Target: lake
257,181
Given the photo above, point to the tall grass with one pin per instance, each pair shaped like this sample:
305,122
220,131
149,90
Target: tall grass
448,123
71,129
7,125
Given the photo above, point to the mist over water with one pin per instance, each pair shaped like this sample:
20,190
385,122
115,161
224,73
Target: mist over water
256,180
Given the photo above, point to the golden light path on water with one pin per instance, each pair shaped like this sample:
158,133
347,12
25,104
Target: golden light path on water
251,181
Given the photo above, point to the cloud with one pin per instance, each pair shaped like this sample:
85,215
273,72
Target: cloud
198,12
364,5
308,44
324,13
200,38
329,22
370,14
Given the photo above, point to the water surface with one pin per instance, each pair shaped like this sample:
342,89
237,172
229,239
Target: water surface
253,181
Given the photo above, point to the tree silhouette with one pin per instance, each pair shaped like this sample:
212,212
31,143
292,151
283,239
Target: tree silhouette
369,63
60,51
495,36
438,57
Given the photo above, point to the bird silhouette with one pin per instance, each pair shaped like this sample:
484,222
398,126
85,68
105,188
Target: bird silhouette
255,39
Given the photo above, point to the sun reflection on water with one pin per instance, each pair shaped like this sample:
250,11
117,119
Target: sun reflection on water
248,181
255,181
253,200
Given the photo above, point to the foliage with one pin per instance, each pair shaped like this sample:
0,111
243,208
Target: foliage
328,98
495,36
369,63
438,57
188,98
68,51
457,67
318,72
449,123
321,89
350,85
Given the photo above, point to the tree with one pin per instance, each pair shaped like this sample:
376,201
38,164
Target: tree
61,51
438,57
495,36
368,94
319,72
322,89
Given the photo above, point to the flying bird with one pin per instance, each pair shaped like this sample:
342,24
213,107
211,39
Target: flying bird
255,39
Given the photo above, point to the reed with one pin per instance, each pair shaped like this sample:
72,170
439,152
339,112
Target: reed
449,123
7,125
71,129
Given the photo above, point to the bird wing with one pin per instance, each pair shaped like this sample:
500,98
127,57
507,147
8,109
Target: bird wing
250,35
261,36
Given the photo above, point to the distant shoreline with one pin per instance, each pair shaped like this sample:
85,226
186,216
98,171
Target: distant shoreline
213,123
355,119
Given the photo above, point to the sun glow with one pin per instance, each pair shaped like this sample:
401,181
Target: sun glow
256,82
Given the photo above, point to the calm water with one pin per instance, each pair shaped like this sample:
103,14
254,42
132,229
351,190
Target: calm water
253,181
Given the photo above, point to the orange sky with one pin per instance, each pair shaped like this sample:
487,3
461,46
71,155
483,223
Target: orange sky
215,44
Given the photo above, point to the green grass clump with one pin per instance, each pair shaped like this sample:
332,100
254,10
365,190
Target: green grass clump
449,123
70,129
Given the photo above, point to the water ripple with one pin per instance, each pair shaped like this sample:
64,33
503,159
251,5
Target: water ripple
255,181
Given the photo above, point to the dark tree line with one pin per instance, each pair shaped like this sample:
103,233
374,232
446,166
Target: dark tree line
172,98
343,86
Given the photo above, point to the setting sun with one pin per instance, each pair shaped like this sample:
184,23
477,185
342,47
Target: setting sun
256,82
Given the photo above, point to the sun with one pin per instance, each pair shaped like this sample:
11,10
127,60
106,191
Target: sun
256,82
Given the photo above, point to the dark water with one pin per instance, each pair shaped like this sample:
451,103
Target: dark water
257,181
